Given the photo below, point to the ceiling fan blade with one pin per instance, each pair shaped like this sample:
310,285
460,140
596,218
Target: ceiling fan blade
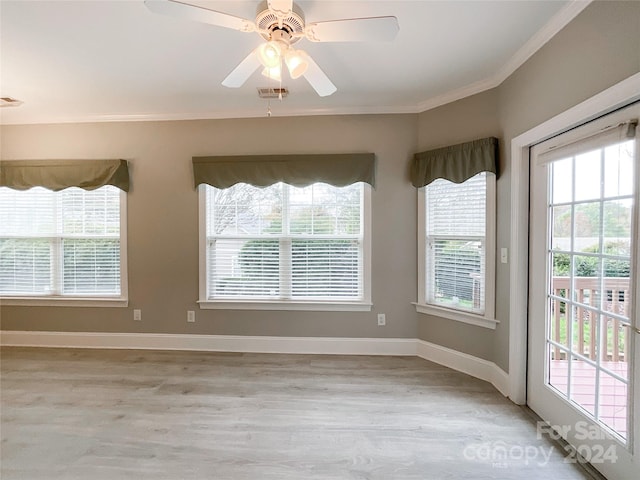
372,29
318,80
280,7
242,72
198,14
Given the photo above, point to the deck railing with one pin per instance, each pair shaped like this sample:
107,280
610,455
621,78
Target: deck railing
613,337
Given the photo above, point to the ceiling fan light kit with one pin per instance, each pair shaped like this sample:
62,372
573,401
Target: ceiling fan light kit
297,63
273,73
269,54
281,23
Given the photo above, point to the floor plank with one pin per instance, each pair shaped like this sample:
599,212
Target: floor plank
116,414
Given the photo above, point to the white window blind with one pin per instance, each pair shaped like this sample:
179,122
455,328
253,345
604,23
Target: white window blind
64,243
284,243
455,256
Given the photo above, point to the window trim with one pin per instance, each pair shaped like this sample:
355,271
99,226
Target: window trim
363,305
488,319
121,300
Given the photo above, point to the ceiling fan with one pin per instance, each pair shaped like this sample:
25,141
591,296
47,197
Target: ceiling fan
282,24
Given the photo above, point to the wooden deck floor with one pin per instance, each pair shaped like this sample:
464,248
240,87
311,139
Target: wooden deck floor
612,401
90,414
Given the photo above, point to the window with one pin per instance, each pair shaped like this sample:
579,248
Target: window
457,224
284,247
62,246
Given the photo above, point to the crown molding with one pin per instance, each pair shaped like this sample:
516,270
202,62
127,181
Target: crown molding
535,43
540,38
457,94
216,115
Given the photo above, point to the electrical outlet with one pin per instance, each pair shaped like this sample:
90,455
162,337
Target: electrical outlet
137,315
382,320
191,316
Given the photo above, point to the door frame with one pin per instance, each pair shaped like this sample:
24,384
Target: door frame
620,94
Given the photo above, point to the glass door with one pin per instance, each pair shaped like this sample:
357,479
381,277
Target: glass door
583,290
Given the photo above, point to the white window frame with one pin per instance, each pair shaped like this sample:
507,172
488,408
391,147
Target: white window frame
121,300
488,319
363,305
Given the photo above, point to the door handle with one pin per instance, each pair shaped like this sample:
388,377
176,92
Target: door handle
636,329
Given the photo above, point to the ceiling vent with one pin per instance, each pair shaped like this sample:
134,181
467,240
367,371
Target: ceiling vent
273,92
9,102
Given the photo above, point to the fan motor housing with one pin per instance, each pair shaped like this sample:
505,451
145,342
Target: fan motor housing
292,24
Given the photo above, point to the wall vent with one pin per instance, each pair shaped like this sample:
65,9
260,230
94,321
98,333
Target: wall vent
272,92
9,102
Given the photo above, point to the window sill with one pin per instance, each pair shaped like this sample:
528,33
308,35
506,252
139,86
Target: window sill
308,306
458,316
64,302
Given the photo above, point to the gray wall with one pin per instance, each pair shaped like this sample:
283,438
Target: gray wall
163,220
467,119
598,49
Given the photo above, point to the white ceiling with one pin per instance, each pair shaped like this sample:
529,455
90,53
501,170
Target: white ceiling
92,60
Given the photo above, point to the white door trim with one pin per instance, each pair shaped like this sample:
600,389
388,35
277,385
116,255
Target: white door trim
610,99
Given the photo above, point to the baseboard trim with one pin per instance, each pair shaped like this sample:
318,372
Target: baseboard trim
465,363
462,362
211,343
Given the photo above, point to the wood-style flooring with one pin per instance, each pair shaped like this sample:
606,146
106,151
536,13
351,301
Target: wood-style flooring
116,414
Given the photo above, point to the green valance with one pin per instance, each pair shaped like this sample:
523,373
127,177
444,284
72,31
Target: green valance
456,163
298,170
60,174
